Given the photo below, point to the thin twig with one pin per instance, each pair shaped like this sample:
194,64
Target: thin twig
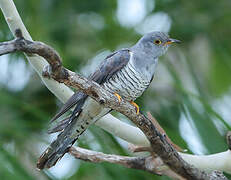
134,148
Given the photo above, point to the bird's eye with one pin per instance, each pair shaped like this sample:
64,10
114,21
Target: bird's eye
158,42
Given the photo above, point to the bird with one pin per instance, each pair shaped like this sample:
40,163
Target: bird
126,73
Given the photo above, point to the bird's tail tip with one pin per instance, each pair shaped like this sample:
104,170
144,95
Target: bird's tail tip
54,153
48,159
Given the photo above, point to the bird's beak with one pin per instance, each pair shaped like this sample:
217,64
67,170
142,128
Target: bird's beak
170,41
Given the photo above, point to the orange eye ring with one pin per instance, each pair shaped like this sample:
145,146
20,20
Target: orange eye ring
158,42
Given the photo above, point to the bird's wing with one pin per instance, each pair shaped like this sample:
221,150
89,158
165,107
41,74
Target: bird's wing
72,101
77,99
111,65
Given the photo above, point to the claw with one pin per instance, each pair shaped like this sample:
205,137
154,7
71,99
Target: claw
118,97
136,106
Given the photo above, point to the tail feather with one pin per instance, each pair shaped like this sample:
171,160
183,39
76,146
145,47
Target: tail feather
60,146
77,98
78,124
60,126
55,151
65,139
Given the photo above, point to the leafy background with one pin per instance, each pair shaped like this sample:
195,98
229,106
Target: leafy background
190,95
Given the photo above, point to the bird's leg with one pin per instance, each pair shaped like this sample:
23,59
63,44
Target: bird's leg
118,97
136,106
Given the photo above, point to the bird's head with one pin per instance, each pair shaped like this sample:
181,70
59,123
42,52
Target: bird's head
156,43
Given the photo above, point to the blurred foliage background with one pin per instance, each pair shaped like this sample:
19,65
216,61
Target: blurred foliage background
190,95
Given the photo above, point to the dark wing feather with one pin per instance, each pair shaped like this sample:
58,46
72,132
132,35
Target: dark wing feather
112,64
59,126
73,100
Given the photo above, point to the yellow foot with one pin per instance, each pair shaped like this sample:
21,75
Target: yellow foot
118,97
136,106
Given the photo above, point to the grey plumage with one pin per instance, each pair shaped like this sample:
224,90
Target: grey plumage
128,82
127,72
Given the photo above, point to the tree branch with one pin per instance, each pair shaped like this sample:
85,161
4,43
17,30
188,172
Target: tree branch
149,164
158,142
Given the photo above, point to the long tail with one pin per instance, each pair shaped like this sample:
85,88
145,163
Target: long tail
58,148
70,128
78,124
53,153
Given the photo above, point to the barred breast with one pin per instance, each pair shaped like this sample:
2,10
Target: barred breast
128,83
